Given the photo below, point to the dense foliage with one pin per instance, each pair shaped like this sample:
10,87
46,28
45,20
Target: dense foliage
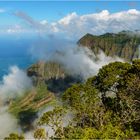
106,106
14,136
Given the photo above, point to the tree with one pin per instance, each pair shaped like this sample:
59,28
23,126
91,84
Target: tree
108,131
14,136
54,119
86,105
106,106
109,75
129,92
40,134
122,81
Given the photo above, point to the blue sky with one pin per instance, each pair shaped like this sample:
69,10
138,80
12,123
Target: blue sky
55,10
68,18
72,21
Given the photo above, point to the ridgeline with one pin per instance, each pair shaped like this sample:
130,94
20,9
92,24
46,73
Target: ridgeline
124,44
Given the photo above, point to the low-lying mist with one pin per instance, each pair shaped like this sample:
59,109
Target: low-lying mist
74,59
77,61
8,122
14,84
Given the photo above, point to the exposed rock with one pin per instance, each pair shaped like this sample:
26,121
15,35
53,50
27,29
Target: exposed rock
125,44
53,75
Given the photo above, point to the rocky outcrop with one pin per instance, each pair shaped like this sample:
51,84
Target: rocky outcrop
124,44
53,75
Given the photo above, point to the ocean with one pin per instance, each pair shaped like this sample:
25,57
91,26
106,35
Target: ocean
14,51
7,62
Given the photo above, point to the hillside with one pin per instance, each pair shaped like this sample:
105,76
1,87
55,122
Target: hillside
124,44
49,79
26,107
106,106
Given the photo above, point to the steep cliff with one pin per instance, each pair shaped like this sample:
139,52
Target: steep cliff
53,75
124,44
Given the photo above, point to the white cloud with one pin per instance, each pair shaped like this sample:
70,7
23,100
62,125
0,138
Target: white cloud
66,20
8,123
99,23
15,83
75,60
15,29
44,22
75,26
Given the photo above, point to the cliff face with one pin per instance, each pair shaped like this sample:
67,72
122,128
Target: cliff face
53,75
124,44
46,71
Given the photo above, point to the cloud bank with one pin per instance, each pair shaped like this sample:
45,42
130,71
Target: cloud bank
75,26
8,123
14,84
75,60
81,61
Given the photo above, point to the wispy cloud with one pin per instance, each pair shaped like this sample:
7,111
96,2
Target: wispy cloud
99,23
75,26
28,19
2,10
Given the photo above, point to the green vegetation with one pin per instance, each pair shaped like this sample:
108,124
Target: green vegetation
47,78
14,136
124,44
106,106
40,134
33,99
54,119
25,108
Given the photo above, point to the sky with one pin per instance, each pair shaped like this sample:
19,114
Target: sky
25,24
54,10
68,16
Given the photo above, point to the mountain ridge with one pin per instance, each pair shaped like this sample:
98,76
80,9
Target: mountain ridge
124,44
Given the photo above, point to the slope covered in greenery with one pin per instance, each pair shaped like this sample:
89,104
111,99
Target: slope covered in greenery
106,106
25,108
49,80
124,44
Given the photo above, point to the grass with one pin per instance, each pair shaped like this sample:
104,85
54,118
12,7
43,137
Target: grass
37,99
